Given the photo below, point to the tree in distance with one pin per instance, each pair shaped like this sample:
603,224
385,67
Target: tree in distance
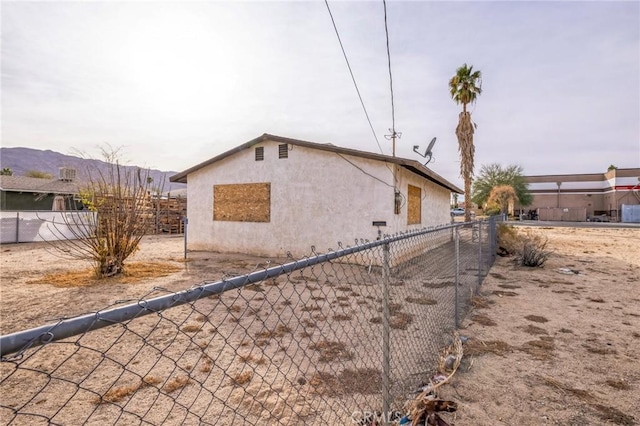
494,175
501,197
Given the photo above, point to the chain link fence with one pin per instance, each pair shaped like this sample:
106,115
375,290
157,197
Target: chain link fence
320,340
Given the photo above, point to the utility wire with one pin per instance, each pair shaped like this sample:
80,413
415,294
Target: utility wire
393,111
352,76
360,168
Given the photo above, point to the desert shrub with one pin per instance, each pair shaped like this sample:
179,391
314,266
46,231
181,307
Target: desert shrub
529,249
507,238
533,250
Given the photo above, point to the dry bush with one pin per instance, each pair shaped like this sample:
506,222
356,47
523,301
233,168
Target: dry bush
480,302
119,393
342,317
536,318
279,331
539,349
507,237
252,358
176,383
191,328
479,347
325,384
364,381
421,300
332,351
483,319
529,249
133,273
533,250
532,329
400,320
242,378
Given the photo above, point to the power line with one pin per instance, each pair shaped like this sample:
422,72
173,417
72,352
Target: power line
393,109
352,76
362,170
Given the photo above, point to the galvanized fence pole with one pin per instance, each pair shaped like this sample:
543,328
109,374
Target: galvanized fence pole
17,227
479,256
457,280
386,362
184,229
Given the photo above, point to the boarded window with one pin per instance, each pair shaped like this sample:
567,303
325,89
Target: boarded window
260,153
248,202
414,206
283,151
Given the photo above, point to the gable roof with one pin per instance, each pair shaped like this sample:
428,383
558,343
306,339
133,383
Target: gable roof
38,185
408,164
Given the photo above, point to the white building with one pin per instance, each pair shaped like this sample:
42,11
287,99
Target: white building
274,195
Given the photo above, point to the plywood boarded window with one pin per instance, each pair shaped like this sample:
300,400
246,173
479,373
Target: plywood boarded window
245,202
414,205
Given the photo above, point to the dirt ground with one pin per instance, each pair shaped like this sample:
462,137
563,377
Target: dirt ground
556,345
552,345
26,304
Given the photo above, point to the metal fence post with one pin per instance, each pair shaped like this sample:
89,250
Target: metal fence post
17,227
479,256
386,379
184,229
456,302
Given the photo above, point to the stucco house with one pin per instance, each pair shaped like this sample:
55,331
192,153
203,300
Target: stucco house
273,195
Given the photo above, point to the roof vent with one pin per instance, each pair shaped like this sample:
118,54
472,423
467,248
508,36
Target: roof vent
66,174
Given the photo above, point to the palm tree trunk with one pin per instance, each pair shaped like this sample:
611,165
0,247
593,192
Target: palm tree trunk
464,132
467,200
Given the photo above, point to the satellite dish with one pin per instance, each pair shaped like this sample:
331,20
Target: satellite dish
428,154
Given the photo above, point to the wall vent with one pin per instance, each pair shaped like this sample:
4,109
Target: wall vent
260,153
283,150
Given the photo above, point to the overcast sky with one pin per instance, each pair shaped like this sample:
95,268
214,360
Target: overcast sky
178,83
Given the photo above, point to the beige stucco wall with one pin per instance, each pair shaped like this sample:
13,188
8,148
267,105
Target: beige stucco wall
597,193
317,199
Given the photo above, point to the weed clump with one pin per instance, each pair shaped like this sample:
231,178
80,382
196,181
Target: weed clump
527,248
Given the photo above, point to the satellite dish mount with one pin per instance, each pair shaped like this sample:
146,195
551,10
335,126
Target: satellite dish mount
428,154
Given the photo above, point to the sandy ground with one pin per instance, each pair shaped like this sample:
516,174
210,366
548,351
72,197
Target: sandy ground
304,346
552,345
555,346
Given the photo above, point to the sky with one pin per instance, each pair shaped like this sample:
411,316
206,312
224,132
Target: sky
176,83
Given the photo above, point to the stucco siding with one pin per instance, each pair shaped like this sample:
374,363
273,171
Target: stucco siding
597,193
318,198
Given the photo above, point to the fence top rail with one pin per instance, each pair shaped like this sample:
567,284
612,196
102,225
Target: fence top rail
18,342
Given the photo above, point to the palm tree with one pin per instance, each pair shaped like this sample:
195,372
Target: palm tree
465,87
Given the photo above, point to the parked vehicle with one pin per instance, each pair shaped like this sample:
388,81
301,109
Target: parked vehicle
599,218
457,212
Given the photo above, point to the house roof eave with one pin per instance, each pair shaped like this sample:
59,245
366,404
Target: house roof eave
411,165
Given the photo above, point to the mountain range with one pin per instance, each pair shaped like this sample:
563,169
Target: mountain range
23,160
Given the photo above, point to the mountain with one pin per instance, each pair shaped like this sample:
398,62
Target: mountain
22,160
